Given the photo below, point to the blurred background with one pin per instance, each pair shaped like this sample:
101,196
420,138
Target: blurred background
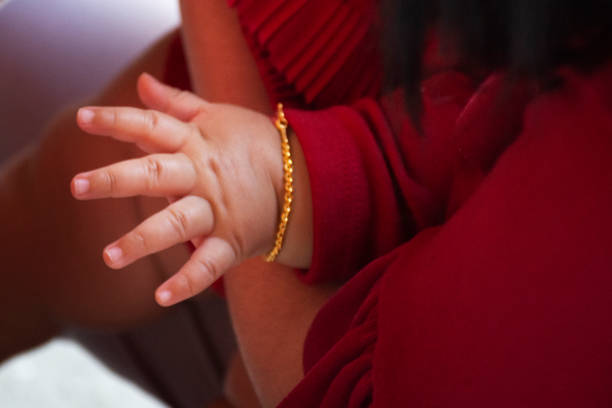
54,53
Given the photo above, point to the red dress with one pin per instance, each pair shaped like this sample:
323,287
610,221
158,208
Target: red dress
476,256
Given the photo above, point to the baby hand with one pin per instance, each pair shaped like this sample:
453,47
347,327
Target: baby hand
222,161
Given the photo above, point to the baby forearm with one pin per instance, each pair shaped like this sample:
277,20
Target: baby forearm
297,247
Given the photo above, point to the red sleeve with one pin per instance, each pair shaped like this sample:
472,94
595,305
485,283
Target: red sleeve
371,188
347,170
507,301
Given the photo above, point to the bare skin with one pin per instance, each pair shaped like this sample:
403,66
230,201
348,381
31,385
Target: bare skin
51,232
54,270
271,309
223,163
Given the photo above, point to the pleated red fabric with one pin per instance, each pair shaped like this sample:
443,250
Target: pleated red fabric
314,53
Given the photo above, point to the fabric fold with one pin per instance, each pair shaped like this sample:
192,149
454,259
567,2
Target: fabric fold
305,46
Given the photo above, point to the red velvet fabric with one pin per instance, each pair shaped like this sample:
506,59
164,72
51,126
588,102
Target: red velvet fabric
476,256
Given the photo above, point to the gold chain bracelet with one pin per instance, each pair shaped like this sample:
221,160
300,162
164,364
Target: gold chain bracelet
282,124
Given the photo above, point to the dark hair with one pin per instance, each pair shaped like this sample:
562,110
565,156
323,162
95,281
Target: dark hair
527,37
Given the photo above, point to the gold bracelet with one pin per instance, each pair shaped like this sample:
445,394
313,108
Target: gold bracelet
282,124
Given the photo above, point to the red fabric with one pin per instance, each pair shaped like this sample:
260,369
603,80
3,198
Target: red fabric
497,290
313,53
476,256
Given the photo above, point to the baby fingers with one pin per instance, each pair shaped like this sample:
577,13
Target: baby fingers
207,264
157,175
185,219
152,131
181,104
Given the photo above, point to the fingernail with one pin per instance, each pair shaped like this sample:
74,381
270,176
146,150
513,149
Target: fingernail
150,76
114,254
81,186
86,115
164,296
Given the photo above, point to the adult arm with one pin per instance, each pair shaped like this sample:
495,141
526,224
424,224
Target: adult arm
53,269
220,63
271,308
